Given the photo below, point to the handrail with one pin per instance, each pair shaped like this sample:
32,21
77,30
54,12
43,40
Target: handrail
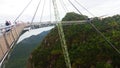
6,27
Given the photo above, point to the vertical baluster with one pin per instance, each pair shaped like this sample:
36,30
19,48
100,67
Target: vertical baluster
1,49
15,29
12,34
5,39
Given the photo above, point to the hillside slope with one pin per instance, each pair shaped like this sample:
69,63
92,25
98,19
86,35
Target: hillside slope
21,52
87,49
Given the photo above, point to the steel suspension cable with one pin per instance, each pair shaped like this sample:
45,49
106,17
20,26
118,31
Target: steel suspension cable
63,5
84,8
35,12
74,6
61,35
99,32
42,11
105,38
21,14
22,11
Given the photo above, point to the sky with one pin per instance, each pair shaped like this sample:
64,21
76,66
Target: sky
10,9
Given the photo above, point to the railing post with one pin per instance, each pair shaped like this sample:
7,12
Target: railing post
16,31
4,35
12,34
1,49
10,39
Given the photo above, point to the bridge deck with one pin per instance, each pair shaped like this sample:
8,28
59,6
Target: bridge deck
7,39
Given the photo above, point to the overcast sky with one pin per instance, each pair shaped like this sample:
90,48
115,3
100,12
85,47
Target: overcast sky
10,9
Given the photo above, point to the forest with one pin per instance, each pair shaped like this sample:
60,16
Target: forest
86,47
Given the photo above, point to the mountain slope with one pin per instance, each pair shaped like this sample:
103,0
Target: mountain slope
21,52
87,48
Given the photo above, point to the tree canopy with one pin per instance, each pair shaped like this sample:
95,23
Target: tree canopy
72,16
87,49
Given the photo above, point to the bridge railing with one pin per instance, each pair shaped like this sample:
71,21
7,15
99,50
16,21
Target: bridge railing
53,23
8,36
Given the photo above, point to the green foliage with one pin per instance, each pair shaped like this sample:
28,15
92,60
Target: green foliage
87,49
72,16
20,54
